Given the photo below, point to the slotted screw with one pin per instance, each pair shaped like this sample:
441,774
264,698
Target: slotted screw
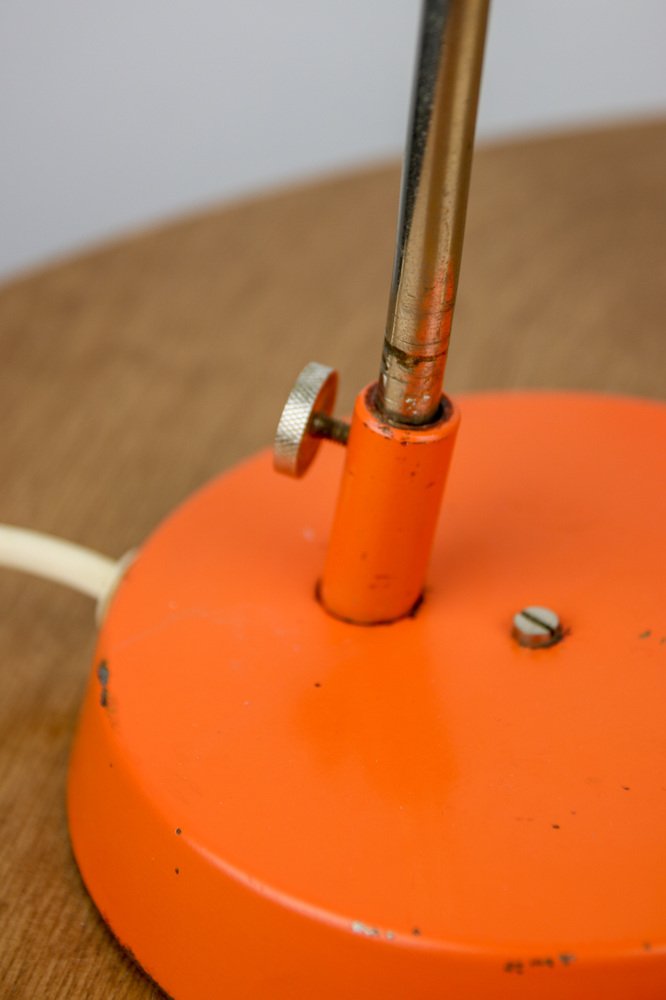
536,627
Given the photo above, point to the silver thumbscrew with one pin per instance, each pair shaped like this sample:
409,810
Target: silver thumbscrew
306,419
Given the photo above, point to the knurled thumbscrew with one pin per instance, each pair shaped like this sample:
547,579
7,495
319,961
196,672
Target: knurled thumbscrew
306,419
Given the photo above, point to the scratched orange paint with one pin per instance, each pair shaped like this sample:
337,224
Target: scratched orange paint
266,801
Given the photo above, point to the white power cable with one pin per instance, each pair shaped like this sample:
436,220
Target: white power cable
75,566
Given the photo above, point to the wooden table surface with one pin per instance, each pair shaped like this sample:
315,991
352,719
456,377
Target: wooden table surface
133,373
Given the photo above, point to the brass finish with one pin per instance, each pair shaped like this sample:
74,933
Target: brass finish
432,214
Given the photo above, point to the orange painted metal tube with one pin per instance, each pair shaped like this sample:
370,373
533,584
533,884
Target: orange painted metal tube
389,500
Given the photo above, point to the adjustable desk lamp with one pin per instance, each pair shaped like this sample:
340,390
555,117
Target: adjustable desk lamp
332,747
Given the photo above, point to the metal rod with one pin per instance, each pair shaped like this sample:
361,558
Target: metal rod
435,185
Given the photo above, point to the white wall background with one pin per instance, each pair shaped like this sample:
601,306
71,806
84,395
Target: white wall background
118,113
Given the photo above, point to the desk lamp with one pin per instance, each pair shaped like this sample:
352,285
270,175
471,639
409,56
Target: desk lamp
334,746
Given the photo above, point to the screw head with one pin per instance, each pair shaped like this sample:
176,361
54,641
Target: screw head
295,446
536,627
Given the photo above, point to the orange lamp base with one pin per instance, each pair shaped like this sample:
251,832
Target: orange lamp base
265,801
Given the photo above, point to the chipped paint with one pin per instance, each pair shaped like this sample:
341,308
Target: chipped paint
103,678
519,965
358,927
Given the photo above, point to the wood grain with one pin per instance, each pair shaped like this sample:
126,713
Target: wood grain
135,372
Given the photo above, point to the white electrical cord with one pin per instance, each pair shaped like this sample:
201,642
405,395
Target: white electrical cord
42,555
